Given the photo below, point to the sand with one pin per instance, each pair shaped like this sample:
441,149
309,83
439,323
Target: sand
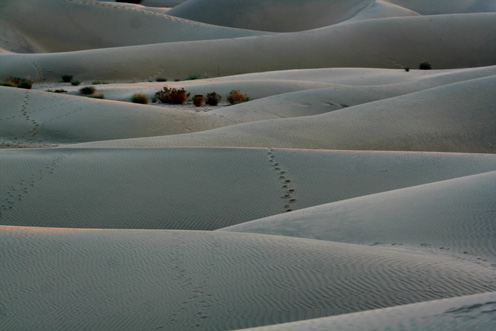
350,191
182,280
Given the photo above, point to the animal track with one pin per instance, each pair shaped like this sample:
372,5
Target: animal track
282,176
18,192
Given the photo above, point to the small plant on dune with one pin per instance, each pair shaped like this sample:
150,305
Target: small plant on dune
75,82
139,98
425,65
67,78
97,96
60,91
160,79
171,95
87,90
407,69
194,77
25,83
198,100
235,97
213,99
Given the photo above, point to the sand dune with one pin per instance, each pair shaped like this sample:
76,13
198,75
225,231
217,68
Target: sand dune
447,41
474,312
270,15
339,199
176,280
442,216
203,189
445,120
434,7
47,118
135,26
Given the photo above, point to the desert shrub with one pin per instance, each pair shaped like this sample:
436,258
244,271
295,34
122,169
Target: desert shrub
75,82
154,99
213,99
97,96
67,78
198,100
160,79
25,83
60,91
171,95
139,98
425,65
194,77
235,96
407,69
87,90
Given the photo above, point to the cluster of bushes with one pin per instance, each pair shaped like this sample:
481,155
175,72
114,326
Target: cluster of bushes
175,96
25,83
139,98
66,78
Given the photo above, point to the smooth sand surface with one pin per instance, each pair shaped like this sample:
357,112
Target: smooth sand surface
69,25
125,279
473,312
441,119
352,191
445,216
203,189
447,41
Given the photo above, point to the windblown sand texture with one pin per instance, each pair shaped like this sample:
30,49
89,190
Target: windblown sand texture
350,191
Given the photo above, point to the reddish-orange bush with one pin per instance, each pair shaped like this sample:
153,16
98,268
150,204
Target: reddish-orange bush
171,95
198,100
235,96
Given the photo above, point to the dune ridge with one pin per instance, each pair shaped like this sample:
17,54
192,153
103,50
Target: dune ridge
436,38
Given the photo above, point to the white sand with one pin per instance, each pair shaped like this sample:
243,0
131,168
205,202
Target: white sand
446,217
205,189
108,223
447,41
124,279
62,25
474,312
441,119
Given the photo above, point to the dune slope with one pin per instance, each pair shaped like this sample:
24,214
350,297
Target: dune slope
443,215
175,280
201,188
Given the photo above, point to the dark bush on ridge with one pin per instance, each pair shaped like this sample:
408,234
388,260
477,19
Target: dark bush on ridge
87,90
425,65
67,78
213,99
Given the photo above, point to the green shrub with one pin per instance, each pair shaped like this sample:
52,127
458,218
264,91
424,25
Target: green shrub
87,90
235,97
160,79
60,91
75,82
425,65
67,78
407,69
194,77
213,99
198,100
139,98
173,96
